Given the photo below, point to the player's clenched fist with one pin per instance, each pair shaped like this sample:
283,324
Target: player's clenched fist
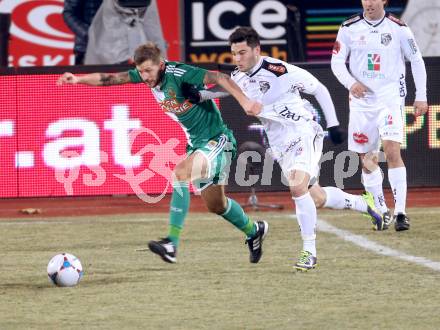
253,108
67,78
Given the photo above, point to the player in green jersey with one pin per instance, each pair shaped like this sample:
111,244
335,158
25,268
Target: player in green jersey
210,142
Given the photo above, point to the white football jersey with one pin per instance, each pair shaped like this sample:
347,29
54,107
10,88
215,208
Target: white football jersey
376,55
276,84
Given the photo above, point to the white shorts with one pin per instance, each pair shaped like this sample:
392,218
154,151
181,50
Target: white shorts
302,151
367,128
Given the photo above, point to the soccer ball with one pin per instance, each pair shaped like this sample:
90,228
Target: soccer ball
64,269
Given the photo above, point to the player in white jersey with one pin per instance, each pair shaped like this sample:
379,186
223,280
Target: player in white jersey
377,44
294,137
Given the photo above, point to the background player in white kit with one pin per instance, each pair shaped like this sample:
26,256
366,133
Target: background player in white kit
294,137
376,44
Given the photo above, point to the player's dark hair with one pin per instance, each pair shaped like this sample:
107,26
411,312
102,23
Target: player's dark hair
148,51
245,33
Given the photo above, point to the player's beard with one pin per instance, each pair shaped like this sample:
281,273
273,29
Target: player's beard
159,78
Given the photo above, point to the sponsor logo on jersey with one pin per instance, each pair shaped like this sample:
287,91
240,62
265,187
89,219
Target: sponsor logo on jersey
212,144
388,120
361,41
373,66
171,93
374,62
276,68
402,88
173,106
385,39
264,86
299,151
373,75
336,47
412,45
299,87
286,113
360,138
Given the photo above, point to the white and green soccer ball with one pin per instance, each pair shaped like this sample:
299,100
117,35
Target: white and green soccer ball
65,269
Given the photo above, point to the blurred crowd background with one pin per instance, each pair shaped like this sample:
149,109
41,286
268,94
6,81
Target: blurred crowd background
75,32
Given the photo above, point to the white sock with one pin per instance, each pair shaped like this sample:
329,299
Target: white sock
306,216
373,184
397,178
338,199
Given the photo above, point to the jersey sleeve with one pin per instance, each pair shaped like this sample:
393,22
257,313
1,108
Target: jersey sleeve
408,44
301,79
190,74
341,47
135,77
412,53
340,53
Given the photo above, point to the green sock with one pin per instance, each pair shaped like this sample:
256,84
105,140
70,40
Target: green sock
178,209
235,214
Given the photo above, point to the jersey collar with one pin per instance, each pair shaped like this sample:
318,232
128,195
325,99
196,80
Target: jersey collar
377,22
256,68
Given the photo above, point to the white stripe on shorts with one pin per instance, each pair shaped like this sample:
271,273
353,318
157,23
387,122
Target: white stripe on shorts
218,148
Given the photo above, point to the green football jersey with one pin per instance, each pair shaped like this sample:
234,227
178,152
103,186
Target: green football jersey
202,121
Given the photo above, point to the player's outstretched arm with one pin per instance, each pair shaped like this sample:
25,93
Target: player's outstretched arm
95,79
251,108
192,94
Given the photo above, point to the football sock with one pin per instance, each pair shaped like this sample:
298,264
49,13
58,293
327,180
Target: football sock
397,178
373,184
235,215
179,206
338,199
306,216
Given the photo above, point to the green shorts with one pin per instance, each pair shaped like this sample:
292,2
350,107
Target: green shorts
219,152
